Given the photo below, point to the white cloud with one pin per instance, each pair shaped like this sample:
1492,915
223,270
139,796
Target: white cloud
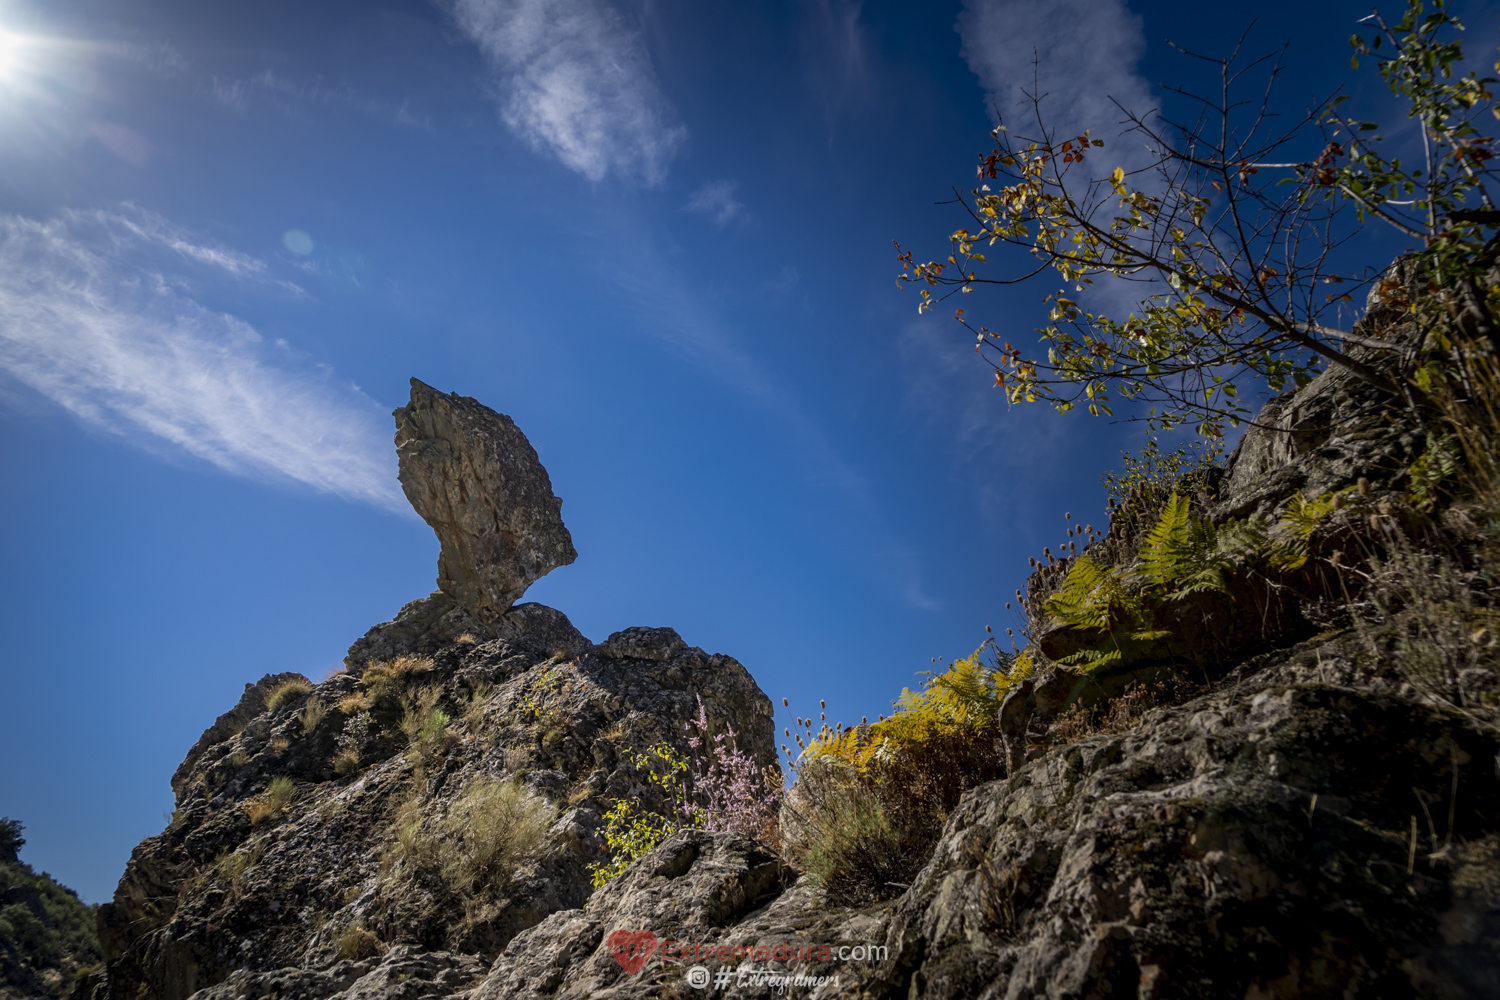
577,83
96,315
716,200
1080,53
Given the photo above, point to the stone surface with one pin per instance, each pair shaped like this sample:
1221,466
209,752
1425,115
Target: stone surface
700,892
472,475
1252,842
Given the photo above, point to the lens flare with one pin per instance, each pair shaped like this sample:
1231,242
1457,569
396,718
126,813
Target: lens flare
297,242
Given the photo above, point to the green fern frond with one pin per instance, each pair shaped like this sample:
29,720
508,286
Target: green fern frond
1169,543
1090,659
1084,599
1295,529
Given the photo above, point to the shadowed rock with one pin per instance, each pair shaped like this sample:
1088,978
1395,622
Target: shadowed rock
474,477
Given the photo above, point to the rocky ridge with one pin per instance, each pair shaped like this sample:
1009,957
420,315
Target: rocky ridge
1313,820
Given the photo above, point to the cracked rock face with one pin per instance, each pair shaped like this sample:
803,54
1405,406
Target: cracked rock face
472,475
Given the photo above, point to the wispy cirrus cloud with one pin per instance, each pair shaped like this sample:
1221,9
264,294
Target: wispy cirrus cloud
1081,54
716,200
835,53
278,90
577,83
97,314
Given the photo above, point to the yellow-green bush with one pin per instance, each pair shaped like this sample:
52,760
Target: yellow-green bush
630,829
870,801
357,941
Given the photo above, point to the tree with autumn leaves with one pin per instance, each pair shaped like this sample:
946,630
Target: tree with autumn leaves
1235,228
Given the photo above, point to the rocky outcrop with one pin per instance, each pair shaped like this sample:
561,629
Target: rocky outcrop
472,475
264,908
1312,811
384,833
1257,841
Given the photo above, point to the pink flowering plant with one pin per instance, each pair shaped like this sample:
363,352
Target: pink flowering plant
730,792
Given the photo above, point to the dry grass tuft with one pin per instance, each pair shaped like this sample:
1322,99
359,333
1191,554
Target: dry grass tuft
484,838
345,762
287,691
277,796
312,713
355,702
356,942
476,705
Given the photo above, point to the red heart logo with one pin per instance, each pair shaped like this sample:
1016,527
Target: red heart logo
632,949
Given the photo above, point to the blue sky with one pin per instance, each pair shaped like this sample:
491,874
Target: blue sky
656,233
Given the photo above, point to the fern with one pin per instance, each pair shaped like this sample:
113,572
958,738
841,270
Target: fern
1096,598
1288,550
1182,554
965,698
1086,595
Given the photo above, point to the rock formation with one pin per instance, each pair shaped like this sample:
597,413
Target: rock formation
1316,817
474,477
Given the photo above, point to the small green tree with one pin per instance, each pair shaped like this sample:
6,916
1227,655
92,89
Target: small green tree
1238,237
11,840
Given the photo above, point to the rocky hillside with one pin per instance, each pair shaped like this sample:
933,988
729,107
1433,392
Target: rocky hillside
47,934
1252,750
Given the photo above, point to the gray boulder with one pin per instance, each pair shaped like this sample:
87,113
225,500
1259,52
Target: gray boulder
472,475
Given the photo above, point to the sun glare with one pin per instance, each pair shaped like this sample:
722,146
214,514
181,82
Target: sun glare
9,44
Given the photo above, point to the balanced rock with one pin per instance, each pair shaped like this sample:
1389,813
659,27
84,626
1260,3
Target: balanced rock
472,475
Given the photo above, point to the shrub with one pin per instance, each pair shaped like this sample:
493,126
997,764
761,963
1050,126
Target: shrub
1137,494
286,691
481,841
356,942
846,838
870,801
277,796
631,829
351,742
729,791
